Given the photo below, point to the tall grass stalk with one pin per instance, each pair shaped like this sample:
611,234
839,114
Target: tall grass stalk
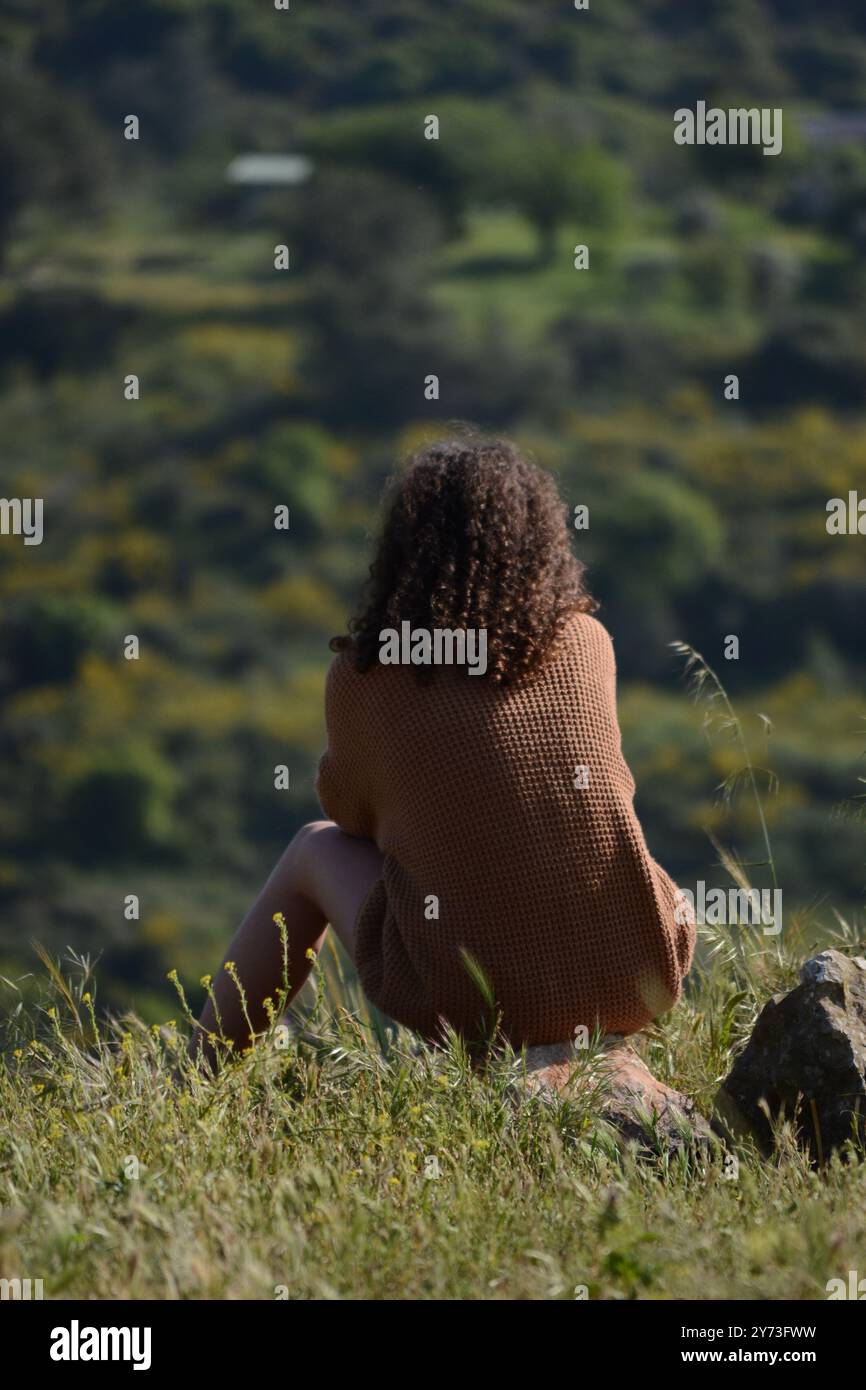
707,686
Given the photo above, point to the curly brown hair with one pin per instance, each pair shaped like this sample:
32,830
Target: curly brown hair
475,536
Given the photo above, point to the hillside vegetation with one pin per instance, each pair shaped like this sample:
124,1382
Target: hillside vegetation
154,778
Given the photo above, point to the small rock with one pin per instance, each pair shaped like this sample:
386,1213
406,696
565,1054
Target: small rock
806,1058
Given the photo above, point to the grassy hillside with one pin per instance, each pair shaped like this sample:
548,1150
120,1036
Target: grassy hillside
351,1165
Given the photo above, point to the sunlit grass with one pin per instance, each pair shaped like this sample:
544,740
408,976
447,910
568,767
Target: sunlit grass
306,1165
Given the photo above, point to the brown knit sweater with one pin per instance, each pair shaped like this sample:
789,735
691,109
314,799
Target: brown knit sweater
469,792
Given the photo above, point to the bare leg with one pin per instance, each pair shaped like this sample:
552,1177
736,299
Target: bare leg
323,877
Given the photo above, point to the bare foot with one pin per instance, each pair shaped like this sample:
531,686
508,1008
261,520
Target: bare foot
631,1099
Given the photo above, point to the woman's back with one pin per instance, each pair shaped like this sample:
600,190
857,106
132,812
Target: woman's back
505,817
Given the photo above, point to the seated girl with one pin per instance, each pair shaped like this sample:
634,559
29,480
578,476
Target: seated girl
481,861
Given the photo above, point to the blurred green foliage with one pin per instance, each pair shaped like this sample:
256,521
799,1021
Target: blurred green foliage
260,389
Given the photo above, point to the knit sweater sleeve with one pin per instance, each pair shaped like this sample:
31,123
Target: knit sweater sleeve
342,781
607,665
676,916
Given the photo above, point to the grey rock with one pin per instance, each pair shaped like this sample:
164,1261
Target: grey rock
805,1060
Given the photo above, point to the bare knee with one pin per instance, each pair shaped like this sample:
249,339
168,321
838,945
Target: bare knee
331,868
304,846
312,830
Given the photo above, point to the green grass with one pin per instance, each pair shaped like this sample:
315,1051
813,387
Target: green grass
302,1168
